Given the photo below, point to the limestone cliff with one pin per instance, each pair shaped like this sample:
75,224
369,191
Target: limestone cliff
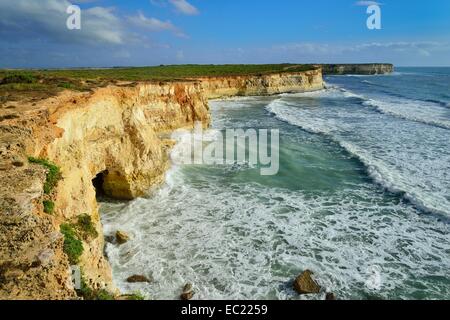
115,134
360,69
220,87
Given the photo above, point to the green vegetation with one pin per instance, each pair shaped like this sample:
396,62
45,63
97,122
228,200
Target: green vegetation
74,234
161,73
73,246
86,227
49,206
18,77
53,173
66,85
137,296
40,84
87,293
24,87
104,295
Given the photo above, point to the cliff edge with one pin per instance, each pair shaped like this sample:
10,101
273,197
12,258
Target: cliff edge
359,69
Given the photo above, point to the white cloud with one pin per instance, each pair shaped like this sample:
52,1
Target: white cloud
184,7
47,19
154,24
367,3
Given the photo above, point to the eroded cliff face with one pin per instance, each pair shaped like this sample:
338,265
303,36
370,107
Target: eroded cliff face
116,134
360,69
221,87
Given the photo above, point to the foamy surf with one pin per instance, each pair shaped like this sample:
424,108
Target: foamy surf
236,235
422,112
430,199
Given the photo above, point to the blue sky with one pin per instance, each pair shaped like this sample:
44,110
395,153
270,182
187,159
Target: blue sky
33,33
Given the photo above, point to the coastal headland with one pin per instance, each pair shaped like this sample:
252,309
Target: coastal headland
67,136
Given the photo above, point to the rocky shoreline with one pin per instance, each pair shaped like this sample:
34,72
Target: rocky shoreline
109,141
57,155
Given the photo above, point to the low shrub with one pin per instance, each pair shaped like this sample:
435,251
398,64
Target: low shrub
86,227
49,206
85,291
73,246
18,78
135,297
53,173
104,295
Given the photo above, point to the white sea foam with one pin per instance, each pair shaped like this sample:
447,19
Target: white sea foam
398,161
428,113
331,92
248,242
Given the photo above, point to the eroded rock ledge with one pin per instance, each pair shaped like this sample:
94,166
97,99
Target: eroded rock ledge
115,135
360,69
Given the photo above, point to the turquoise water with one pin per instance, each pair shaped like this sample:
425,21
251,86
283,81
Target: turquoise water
361,199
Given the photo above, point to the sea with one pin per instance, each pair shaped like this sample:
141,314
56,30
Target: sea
362,199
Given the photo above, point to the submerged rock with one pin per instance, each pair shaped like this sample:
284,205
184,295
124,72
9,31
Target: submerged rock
330,296
305,284
188,293
187,287
110,239
122,237
138,278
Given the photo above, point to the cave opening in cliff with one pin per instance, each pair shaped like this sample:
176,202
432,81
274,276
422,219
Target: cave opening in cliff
98,183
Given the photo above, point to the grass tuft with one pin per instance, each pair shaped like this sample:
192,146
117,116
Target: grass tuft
53,173
104,295
73,246
49,206
85,291
86,227
137,296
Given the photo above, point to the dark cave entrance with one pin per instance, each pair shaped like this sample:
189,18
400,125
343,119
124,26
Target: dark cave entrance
98,183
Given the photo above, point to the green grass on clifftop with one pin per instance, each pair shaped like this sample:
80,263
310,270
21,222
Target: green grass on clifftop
157,73
73,246
53,173
36,84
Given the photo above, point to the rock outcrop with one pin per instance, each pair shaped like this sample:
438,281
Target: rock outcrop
305,284
122,237
114,136
222,87
138,279
359,69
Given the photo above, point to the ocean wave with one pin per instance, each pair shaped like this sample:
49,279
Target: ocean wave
439,102
376,169
235,241
410,110
330,92
404,108
389,180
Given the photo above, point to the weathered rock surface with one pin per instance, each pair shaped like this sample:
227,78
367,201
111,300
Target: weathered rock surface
187,287
221,87
138,279
122,237
188,292
305,284
330,296
187,295
362,69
